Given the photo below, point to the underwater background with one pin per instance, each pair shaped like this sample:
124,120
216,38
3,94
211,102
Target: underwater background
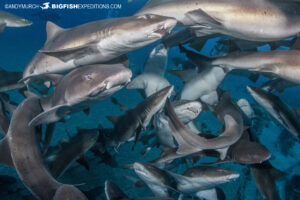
19,45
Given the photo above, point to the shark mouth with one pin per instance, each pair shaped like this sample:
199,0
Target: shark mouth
160,31
193,110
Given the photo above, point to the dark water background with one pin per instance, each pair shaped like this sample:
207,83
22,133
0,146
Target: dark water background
19,45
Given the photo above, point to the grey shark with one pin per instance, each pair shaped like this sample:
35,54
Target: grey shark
185,110
189,142
152,79
202,178
267,20
10,20
203,84
280,111
138,118
26,152
60,157
149,83
80,89
265,176
157,60
245,152
113,192
96,42
156,179
283,63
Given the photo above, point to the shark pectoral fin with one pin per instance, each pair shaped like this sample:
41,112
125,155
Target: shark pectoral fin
203,20
178,177
268,68
49,116
210,98
2,27
210,194
83,162
72,53
138,133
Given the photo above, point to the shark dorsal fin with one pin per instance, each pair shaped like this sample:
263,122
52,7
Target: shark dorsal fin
52,30
113,119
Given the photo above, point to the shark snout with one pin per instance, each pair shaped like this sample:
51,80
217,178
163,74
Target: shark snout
163,28
139,168
20,23
233,176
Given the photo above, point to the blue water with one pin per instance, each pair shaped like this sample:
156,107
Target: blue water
19,45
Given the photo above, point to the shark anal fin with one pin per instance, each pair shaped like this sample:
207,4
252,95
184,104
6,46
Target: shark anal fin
49,116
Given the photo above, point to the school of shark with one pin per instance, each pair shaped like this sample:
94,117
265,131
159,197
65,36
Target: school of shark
194,128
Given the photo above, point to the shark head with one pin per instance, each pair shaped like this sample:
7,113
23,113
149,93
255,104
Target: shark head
94,82
147,172
187,110
12,20
142,30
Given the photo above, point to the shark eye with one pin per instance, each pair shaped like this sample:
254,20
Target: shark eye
88,77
